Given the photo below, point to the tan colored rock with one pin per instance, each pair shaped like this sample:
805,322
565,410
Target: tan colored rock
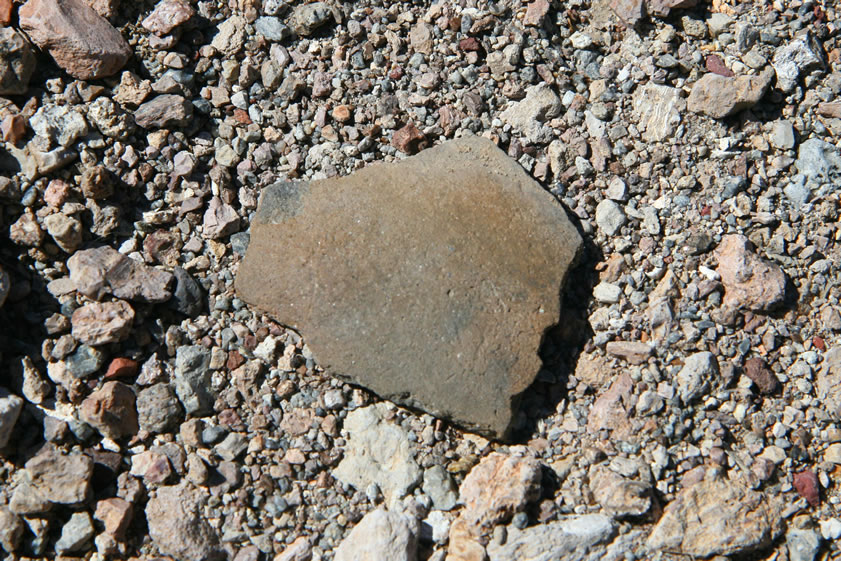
168,15
115,514
463,545
178,526
60,478
100,271
720,96
81,41
380,535
99,323
497,488
750,282
717,517
618,495
613,408
430,281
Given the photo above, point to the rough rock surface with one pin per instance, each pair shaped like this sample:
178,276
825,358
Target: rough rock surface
10,408
716,517
81,41
384,269
111,410
63,479
17,62
378,452
99,271
749,281
497,488
178,527
379,535
568,539
720,96
100,323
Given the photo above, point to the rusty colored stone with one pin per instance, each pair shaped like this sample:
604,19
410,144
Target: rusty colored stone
430,281
81,41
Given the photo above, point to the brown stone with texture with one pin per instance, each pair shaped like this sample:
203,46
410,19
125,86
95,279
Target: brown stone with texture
81,41
431,281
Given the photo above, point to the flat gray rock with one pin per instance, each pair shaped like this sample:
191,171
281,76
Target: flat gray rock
431,281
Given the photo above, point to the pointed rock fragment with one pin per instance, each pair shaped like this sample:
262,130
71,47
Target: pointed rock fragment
430,281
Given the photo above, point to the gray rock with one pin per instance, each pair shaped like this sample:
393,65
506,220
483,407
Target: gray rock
101,271
61,478
693,380
188,296
828,382
380,536
439,486
60,124
11,529
540,104
75,534
569,539
658,108
306,18
404,273
607,293
272,28
158,409
10,408
798,193
716,517
178,527
802,545
819,161
378,451
65,230
84,362
17,62
796,59
610,217
782,135
232,447
192,380
164,111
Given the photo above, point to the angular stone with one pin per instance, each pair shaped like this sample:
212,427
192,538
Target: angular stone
377,452
111,410
497,488
618,495
164,111
659,109
178,527
759,373
168,15
401,281
749,281
63,479
11,529
719,96
568,539
81,41
662,8
102,270
380,535
10,408
629,11
75,534
99,323
717,517
17,62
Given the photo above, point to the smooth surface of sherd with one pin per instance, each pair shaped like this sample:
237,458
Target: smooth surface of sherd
430,282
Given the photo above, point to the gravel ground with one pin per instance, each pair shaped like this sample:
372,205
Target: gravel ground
689,401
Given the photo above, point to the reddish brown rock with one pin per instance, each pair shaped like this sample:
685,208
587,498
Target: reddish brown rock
6,7
629,11
612,409
407,139
111,410
663,8
13,128
536,12
497,488
99,323
720,96
749,281
168,15
806,483
121,368
60,478
81,41
178,526
759,373
714,64
401,281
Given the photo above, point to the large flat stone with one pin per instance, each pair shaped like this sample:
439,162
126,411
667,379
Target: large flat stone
431,281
